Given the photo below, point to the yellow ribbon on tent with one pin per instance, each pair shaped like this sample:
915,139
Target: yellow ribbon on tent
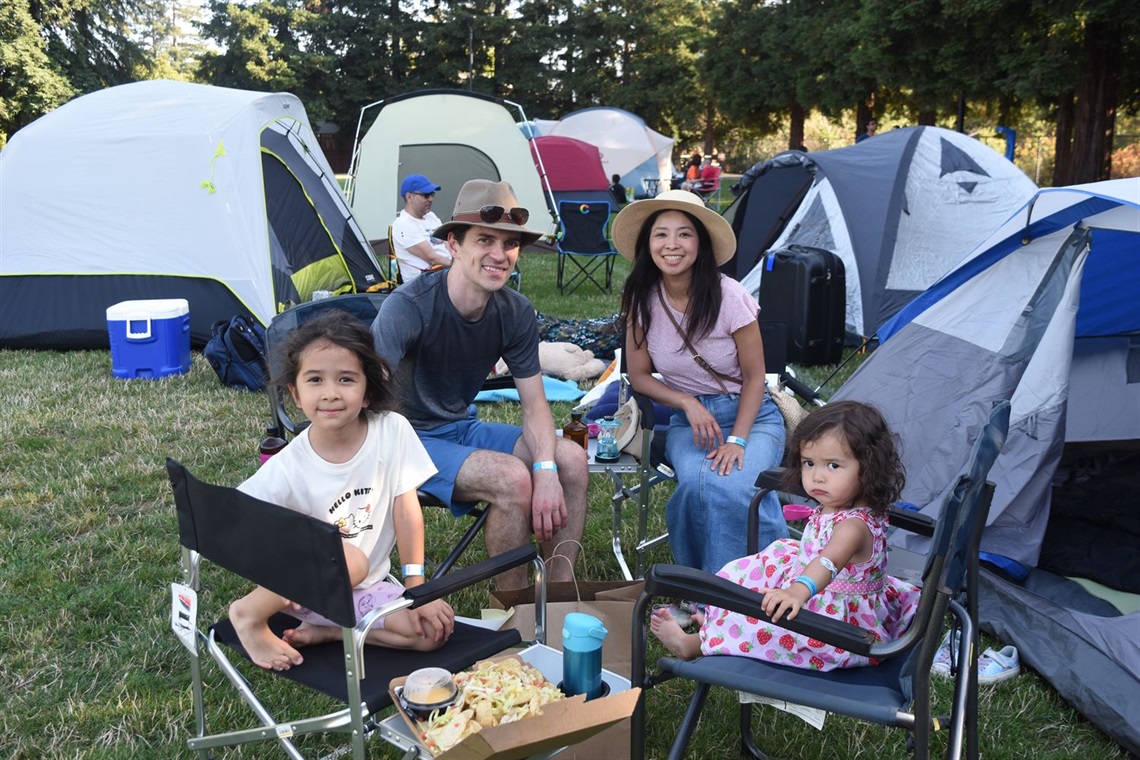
220,151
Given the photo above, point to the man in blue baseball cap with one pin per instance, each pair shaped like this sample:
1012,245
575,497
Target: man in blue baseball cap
416,249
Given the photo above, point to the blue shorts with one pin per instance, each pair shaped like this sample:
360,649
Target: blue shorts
449,446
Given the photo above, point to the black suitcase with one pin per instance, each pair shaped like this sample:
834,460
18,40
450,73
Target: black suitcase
806,289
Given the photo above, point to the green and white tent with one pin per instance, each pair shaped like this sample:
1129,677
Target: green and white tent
165,189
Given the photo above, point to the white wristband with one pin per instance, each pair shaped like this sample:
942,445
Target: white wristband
412,570
551,466
741,442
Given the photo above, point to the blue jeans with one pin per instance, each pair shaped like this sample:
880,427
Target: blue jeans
707,515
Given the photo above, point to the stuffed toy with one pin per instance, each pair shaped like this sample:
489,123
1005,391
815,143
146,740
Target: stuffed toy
569,362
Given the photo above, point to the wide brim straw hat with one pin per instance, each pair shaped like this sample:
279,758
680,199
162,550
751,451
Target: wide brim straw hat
627,224
479,194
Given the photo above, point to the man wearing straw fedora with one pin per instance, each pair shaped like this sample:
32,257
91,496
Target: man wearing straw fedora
444,332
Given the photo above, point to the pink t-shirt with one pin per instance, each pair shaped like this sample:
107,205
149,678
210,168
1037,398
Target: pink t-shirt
675,362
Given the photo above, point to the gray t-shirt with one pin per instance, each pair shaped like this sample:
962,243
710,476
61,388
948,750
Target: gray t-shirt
442,359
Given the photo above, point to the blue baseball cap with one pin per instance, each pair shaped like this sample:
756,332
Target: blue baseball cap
417,183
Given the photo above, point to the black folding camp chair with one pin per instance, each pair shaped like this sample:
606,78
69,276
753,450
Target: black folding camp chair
896,692
365,307
654,466
302,559
583,244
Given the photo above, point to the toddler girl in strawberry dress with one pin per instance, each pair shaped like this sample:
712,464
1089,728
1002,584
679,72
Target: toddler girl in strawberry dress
844,456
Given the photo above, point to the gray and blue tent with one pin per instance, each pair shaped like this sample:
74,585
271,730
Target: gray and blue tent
1045,312
900,209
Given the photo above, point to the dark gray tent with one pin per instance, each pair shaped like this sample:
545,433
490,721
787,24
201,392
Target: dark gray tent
1045,313
900,209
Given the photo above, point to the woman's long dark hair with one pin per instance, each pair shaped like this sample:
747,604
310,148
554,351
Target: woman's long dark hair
645,277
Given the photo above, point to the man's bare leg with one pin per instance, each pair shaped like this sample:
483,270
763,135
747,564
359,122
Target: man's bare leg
503,481
574,475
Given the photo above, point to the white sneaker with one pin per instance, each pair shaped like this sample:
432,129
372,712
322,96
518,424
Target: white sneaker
947,653
998,665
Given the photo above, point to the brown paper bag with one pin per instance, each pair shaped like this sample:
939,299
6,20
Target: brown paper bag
609,601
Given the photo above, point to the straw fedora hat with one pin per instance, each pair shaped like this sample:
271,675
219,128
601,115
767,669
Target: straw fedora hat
627,224
484,203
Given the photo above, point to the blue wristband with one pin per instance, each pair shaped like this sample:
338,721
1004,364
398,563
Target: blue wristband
412,570
551,466
741,442
807,581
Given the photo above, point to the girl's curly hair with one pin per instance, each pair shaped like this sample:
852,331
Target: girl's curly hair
881,473
341,329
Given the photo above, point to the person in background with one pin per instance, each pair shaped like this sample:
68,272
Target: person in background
444,333
415,247
618,189
692,173
872,127
699,330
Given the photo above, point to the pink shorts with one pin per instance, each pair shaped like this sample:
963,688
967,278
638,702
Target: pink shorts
364,599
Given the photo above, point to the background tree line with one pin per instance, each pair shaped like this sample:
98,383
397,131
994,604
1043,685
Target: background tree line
708,72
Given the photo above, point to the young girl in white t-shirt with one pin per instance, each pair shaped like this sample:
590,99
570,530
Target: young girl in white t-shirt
357,465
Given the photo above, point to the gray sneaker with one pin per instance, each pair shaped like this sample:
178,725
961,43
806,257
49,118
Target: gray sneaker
998,665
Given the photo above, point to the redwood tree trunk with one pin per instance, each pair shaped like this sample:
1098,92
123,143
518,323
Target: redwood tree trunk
1096,104
796,135
1063,148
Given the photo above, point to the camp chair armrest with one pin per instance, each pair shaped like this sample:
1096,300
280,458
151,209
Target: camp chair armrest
912,521
771,479
699,586
441,586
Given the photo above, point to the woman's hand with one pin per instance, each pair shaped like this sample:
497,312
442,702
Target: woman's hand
706,430
725,456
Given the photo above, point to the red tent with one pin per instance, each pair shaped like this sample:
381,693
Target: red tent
571,167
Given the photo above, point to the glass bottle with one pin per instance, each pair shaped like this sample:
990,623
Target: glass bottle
576,430
607,450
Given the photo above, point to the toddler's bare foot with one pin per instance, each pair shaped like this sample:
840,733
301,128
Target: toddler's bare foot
263,648
673,637
308,634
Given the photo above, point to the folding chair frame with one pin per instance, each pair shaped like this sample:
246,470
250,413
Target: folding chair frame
302,559
949,573
573,244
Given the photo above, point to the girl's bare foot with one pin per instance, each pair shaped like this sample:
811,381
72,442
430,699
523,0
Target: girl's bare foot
308,634
673,637
263,648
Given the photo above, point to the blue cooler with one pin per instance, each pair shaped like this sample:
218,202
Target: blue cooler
149,339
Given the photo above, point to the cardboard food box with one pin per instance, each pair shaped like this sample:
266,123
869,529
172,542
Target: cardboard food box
562,723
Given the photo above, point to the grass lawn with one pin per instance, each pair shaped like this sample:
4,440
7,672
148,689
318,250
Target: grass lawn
88,547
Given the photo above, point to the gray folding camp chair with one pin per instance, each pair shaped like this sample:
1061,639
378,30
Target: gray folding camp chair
302,559
896,692
584,246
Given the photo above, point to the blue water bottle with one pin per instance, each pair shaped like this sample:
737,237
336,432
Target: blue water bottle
582,637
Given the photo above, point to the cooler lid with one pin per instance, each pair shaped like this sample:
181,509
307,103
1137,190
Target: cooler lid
160,308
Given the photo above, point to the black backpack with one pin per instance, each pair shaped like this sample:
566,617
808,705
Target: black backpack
236,351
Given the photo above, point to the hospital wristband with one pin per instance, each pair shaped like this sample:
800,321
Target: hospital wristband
741,442
807,581
551,466
412,570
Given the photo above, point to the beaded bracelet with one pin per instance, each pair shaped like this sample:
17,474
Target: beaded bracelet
807,581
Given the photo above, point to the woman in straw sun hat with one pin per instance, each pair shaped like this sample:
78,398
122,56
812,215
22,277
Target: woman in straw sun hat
698,329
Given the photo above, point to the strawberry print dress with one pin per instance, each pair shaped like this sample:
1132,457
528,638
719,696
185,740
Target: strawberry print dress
862,594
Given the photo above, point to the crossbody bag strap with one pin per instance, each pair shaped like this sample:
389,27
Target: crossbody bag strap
720,377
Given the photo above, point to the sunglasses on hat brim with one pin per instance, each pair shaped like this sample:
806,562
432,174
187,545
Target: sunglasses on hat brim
492,214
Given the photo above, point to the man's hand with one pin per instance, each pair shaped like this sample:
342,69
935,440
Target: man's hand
547,505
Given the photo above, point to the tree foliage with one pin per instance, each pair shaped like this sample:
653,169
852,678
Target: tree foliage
696,69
